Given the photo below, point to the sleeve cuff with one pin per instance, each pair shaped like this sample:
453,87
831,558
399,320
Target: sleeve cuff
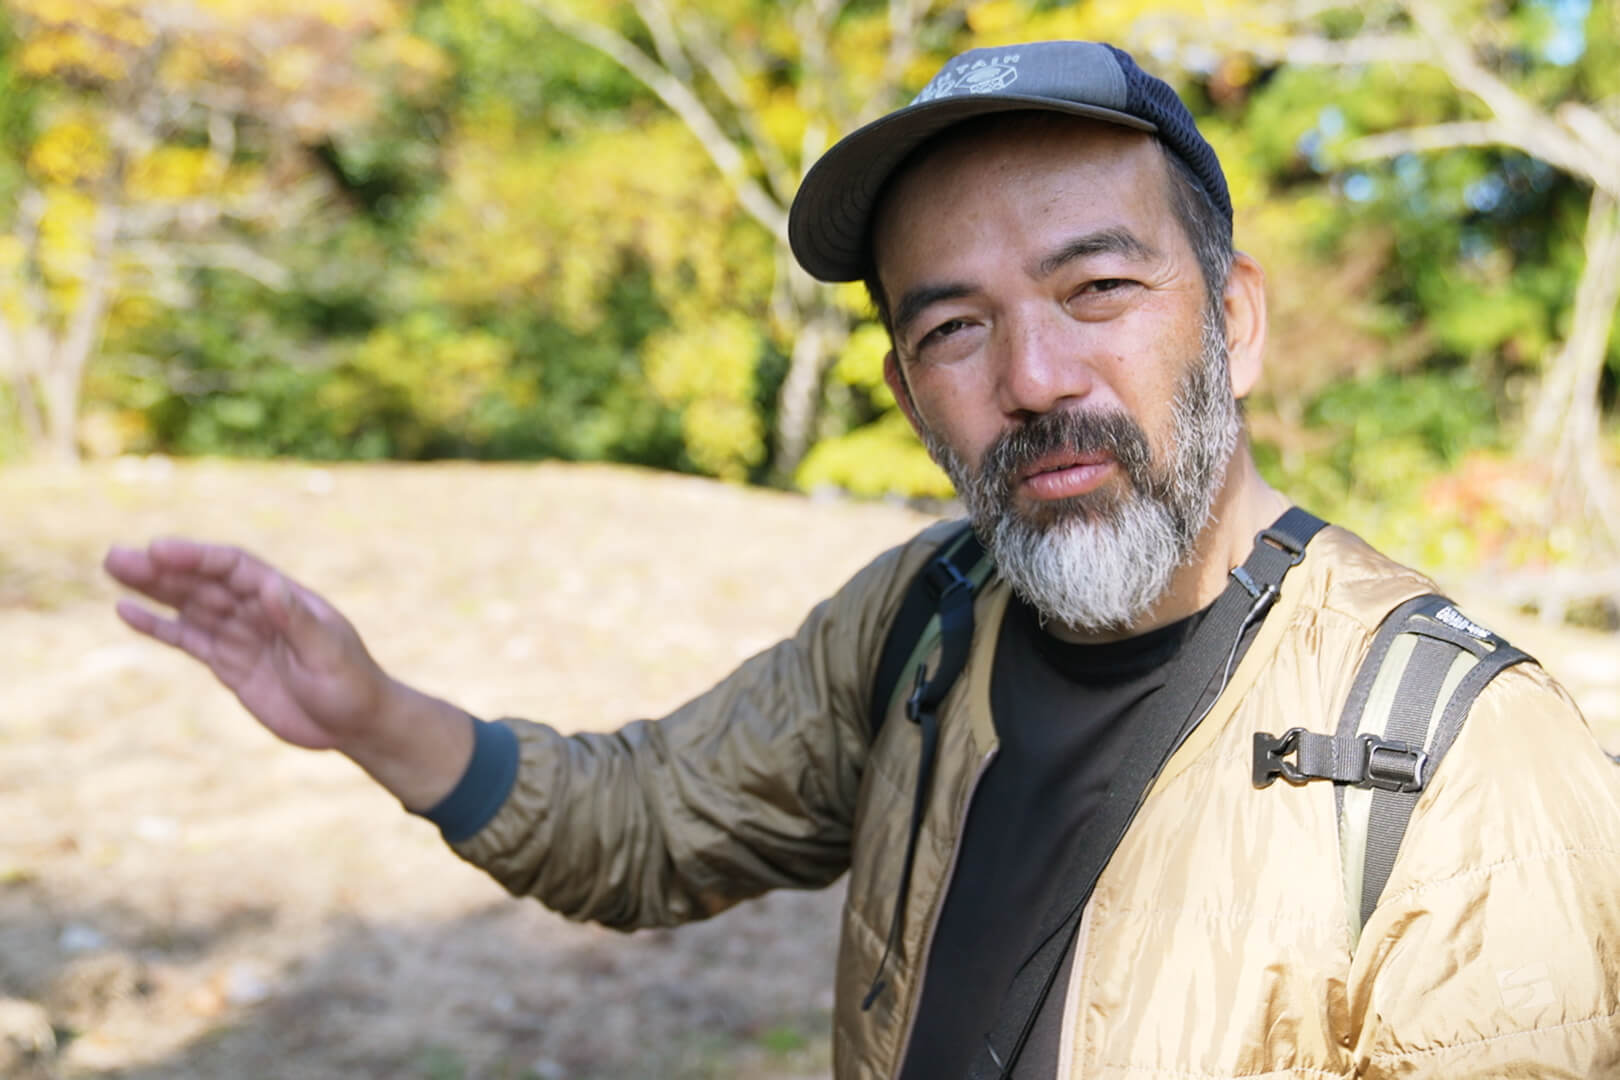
483,788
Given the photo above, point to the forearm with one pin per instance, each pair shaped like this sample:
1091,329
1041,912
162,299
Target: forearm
418,749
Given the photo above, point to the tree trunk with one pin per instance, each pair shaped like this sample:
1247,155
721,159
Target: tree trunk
60,385
15,362
1566,423
62,377
798,405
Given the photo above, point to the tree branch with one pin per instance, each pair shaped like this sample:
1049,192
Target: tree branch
1579,142
684,102
812,22
1478,133
1462,67
903,18
781,178
1311,51
666,40
218,256
1423,139
1533,130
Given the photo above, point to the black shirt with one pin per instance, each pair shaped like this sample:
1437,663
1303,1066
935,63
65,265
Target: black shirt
1062,712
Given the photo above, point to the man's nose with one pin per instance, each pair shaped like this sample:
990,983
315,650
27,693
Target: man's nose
1044,364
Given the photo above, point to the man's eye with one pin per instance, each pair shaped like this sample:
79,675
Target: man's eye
942,331
1104,285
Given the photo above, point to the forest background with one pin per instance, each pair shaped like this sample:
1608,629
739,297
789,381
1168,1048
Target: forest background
525,229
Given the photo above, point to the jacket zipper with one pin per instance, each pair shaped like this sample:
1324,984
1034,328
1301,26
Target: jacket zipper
933,919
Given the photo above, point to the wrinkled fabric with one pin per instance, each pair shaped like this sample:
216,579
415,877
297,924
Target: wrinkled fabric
1217,942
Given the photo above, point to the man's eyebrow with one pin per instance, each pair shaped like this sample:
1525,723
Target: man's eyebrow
916,300
1114,241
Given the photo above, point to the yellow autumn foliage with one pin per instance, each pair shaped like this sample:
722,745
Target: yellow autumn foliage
860,363
73,150
551,226
13,258
69,51
994,16
172,173
706,369
881,458
436,375
65,235
343,14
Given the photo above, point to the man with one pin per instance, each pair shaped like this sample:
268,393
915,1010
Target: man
1047,237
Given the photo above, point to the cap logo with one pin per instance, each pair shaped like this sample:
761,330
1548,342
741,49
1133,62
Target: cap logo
982,76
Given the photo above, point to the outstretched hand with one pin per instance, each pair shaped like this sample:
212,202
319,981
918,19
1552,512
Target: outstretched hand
291,658
295,662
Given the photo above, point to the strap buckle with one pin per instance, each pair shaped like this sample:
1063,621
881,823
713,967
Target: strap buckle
914,700
1284,543
1269,751
945,579
1393,766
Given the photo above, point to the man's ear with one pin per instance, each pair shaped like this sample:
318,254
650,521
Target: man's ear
902,393
1245,305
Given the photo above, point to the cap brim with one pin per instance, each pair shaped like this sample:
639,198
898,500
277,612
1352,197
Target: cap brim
831,214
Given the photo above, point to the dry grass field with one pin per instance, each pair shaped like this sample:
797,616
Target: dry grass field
181,897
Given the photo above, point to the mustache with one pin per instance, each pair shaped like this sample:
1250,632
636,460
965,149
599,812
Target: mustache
1085,431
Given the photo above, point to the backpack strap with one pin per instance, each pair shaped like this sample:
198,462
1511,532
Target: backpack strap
916,627
1424,668
938,607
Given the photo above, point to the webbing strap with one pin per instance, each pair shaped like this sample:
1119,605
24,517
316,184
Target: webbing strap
1408,725
1201,661
915,629
1424,667
953,592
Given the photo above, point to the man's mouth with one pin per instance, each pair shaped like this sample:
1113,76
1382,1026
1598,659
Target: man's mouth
1065,475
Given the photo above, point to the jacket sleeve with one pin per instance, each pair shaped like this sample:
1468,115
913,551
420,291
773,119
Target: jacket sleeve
748,787
1495,949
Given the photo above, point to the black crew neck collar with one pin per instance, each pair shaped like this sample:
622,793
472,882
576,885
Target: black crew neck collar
1109,662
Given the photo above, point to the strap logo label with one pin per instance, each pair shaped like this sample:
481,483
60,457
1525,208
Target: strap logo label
1458,621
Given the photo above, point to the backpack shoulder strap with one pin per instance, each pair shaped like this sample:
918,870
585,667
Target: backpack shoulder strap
916,626
1425,666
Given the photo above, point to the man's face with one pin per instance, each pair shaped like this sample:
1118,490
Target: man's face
1059,359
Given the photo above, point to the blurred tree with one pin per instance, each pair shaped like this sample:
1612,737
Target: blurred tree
162,138
1536,83
762,87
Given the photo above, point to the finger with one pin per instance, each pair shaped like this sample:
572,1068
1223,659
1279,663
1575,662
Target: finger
188,593
177,553
213,600
137,617
211,621
166,569
193,578
128,566
172,632
231,567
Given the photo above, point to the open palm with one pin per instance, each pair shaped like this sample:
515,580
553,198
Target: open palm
291,658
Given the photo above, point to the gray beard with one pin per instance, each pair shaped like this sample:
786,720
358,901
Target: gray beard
1099,562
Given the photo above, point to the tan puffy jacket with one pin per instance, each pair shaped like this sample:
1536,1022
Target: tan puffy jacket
1216,943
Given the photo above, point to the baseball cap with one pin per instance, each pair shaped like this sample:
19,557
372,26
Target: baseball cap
830,220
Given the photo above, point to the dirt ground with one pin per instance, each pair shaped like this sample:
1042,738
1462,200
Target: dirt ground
181,897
